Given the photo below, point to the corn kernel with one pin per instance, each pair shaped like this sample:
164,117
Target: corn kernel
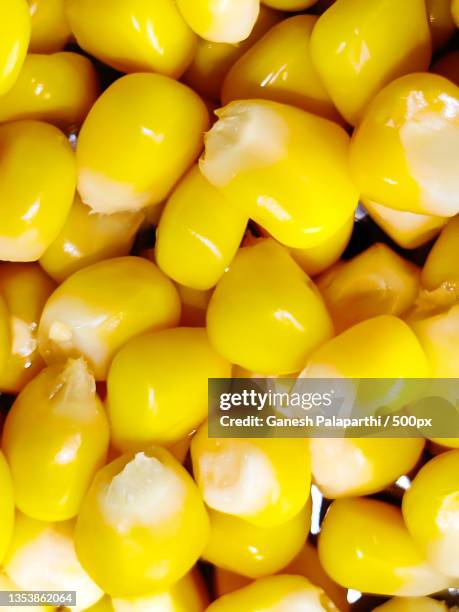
255,551
275,593
6,507
37,185
279,67
213,60
404,152
412,604
58,88
145,508
364,545
409,230
442,26
348,467
6,584
376,282
265,314
127,161
145,374
5,339
382,347
25,288
50,29
14,40
440,268
270,158
87,238
194,306
455,11
97,309
448,66
55,438
289,5
198,234
359,46
42,558
252,479
137,36
431,511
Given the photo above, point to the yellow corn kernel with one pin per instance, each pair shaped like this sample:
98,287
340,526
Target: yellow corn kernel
409,230
364,545
455,11
412,604
316,259
282,592
382,347
431,511
265,314
137,36
376,282
253,551
222,21
25,288
348,467
252,479
6,584
448,66
440,268
37,185
213,60
358,47
187,595
6,507
279,67
198,234
145,372
55,438
58,88
129,160
194,306
145,508
50,29
5,339
270,158
289,5
14,40
87,238
442,26
226,582
97,309
403,154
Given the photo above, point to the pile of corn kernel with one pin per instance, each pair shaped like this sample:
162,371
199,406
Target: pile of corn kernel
173,173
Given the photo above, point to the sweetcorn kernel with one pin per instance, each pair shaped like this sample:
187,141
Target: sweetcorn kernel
14,40
50,29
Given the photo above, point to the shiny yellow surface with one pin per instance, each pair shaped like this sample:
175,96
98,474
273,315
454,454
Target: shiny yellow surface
376,282
289,5
198,234
161,528
440,268
14,40
431,511
223,21
88,237
137,36
97,309
252,551
279,67
58,88
212,60
358,47
316,259
364,545
6,506
412,604
144,373
349,467
25,289
127,161
409,230
275,593
265,314
42,558
441,22
403,154
50,29
252,479
382,347
448,66
270,158
194,306
37,184
55,438
5,335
